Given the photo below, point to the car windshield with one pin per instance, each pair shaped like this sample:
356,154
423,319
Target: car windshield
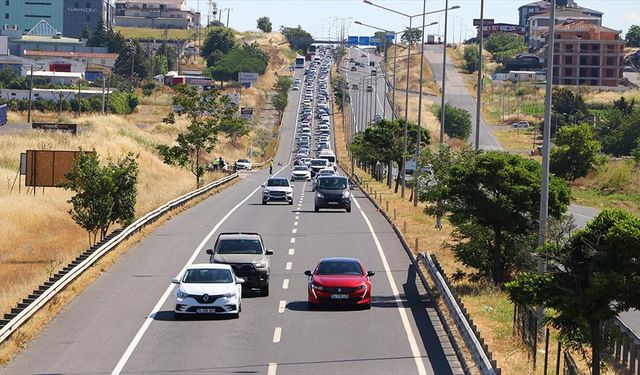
207,276
339,267
278,182
317,163
243,161
333,183
300,168
239,247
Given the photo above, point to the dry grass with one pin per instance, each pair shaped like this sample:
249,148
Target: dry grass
593,96
429,85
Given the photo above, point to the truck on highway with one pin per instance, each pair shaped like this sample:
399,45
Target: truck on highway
300,61
434,39
3,114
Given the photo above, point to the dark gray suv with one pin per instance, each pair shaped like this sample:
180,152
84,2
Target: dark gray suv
333,192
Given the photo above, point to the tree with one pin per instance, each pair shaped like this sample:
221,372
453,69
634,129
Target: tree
591,279
245,58
619,132
298,39
205,111
170,55
457,123
220,39
383,142
280,102
132,56
104,195
235,129
264,24
493,199
633,36
340,91
411,35
115,41
98,37
566,102
624,106
575,152
471,58
505,45
283,84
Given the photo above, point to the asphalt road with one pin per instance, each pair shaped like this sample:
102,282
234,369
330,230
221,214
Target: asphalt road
123,322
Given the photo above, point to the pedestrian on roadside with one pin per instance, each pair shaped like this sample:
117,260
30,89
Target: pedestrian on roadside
271,166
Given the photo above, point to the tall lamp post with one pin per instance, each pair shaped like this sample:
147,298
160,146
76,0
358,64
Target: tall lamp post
406,109
479,88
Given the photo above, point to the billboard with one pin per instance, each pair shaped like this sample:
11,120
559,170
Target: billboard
247,77
476,22
47,168
54,126
247,113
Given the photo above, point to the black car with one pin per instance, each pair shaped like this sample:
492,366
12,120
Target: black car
333,192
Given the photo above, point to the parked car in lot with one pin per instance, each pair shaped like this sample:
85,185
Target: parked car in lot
339,281
277,189
208,289
300,172
369,88
332,192
247,256
243,164
520,124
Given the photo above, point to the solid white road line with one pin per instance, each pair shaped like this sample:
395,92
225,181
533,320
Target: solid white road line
277,333
292,251
282,306
136,339
392,283
273,368
285,284
288,266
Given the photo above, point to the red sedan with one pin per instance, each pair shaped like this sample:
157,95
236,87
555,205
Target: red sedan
339,281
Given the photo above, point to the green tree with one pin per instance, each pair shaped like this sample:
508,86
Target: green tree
170,55
619,132
412,35
471,58
383,142
633,36
264,24
591,279
132,56
493,199
566,102
280,102
575,152
298,39
245,58
98,37
283,84
235,129
340,91
220,39
624,106
124,174
205,111
457,123
505,45
115,41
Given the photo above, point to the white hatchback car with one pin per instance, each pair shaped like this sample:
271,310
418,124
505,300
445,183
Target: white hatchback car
208,289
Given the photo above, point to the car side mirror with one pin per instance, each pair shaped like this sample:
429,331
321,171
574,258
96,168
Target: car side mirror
262,186
352,186
209,251
370,273
292,186
239,280
308,273
176,281
268,252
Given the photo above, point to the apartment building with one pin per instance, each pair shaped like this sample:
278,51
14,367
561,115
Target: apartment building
155,13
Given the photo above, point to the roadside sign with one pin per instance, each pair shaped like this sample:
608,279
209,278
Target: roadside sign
23,163
247,77
53,126
375,41
364,40
353,40
247,113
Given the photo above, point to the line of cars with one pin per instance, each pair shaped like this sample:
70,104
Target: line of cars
240,261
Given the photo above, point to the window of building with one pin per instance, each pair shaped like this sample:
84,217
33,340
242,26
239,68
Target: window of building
6,15
611,60
583,60
6,2
568,71
568,60
568,47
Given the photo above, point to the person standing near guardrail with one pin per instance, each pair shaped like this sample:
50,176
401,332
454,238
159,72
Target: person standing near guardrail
271,166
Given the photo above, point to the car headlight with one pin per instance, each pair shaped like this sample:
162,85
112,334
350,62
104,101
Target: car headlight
229,295
363,286
316,286
181,294
346,194
260,264
319,195
290,192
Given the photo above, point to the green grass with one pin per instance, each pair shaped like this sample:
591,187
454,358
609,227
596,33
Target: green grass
532,109
148,33
629,201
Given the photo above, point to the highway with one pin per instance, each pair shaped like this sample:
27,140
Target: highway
123,323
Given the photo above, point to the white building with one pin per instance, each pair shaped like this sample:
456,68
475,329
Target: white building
155,13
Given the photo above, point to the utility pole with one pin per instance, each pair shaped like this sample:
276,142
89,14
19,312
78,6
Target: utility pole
103,96
79,101
406,117
106,107
479,93
228,11
30,94
444,73
60,104
416,184
546,147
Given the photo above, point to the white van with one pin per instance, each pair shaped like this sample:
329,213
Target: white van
328,155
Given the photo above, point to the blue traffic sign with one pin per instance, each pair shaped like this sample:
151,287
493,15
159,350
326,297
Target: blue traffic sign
352,40
364,41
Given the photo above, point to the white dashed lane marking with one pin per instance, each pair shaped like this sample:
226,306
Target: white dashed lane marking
273,367
293,240
277,333
292,251
289,266
282,306
285,284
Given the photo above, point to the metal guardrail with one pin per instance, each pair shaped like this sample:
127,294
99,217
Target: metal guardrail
51,288
480,358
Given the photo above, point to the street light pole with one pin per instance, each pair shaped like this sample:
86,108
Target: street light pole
479,88
403,168
444,72
416,181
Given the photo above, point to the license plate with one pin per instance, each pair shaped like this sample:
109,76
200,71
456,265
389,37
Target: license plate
333,203
339,296
206,311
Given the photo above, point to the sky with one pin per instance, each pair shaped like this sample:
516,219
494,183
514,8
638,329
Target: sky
322,17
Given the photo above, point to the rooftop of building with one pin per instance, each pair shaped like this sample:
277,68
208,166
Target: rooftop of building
72,55
177,3
577,12
48,39
57,74
585,26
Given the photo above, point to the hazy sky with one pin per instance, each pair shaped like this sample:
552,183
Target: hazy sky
320,17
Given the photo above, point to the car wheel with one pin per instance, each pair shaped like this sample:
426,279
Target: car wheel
178,316
264,290
291,203
312,306
348,209
316,209
264,202
235,316
367,306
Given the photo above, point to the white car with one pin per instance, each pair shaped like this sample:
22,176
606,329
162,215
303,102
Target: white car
277,189
521,124
208,289
243,164
300,172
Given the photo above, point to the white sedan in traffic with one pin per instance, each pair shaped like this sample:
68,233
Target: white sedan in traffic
300,172
208,289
